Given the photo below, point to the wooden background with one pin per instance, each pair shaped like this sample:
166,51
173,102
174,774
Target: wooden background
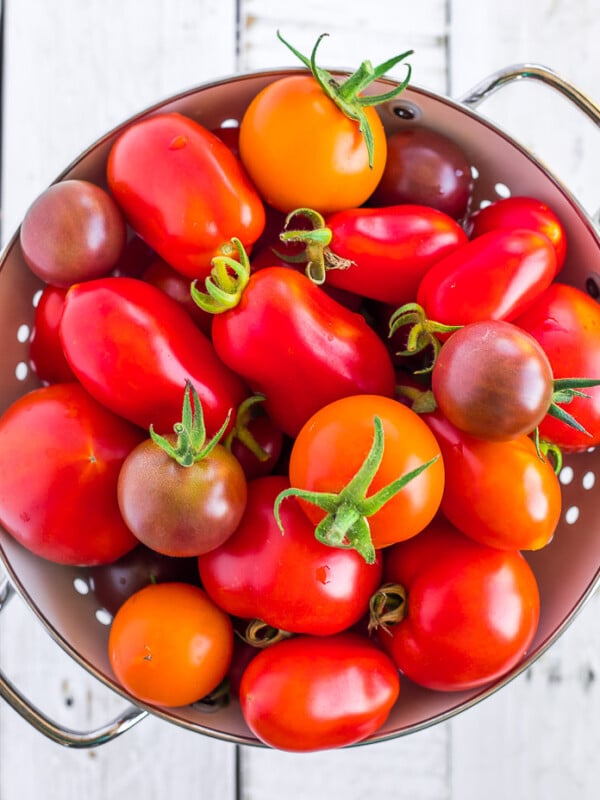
72,70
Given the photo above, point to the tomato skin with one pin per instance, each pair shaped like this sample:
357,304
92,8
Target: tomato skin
521,212
300,348
391,249
566,322
134,348
495,276
177,286
169,645
306,694
60,459
199,195
45,349
332,445
290,581
300,150
499,493
471,610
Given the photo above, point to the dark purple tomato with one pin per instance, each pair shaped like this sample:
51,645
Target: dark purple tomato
426,168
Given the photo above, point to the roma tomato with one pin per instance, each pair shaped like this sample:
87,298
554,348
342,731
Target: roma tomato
521,212
566,322
339,467
291,342
60,460
503,494
134,349
291,582
309,693
469,611
495,276
169,645
45,349
199,195
309,140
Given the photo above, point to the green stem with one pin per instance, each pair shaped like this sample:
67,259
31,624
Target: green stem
423,332
241,431
226,283
318,256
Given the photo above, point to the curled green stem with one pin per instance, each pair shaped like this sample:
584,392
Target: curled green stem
423,332
241,430
226,282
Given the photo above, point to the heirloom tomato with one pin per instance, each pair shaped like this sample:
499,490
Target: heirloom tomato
183,191
466,612
316,693
291,582
60,460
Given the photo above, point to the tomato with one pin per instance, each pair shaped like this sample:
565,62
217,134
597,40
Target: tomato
180,494
291,342
495,276
379,253
503,494
169,645
427,168
332,447
72,232
134,348
60,460
45,349
255,441
199,195
177,286
307,140
291,581
309,693
566,322
521,212
470,611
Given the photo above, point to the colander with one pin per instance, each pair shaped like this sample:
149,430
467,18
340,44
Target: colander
568,569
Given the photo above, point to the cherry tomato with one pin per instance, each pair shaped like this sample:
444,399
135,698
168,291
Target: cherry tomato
60,460
470,611
199,195
291,582
503,494
169,645
45,349
310,693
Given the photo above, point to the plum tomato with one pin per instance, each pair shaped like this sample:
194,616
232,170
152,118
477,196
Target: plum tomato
316,693
46,353
73,231
169,645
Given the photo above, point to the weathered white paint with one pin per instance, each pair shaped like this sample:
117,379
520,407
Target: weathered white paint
72,71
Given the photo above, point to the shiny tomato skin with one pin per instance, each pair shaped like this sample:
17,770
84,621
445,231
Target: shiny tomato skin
332,445
565,321
300,348
495,276
290,581
60,460
471,610
134,348
521,212
45,349
391,249
502,494
169,645
199,195
307,693
301,151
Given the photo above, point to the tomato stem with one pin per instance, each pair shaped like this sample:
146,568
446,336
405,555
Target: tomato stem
423,332
565,391
226,282
241,431
387,607
318,256
260,634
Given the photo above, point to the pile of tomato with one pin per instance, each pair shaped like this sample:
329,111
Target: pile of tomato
301,408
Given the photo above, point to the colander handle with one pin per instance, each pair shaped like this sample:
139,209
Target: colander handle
64,736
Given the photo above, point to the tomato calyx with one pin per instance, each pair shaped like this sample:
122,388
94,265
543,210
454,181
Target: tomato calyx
565,391
241,430
318,255
346,523
225,283
347,95
423,332
260,634
387,607
190,445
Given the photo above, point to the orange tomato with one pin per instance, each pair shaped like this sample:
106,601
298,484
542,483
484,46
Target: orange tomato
170,645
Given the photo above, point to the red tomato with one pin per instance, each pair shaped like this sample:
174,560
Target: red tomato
169,645
470,614
309,693
521,212
177,286
566,322
502,494
134,348
60,460
291,582
45,349
495,276
199,195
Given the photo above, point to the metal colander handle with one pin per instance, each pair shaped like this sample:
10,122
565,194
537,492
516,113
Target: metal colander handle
64,736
